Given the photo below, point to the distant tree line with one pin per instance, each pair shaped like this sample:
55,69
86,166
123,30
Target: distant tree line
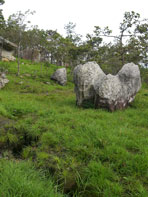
131,45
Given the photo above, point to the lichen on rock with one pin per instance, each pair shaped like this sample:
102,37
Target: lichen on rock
107,91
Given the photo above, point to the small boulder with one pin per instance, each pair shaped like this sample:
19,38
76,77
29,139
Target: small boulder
21,82
84,77
60,76
4,59
48,83
3,80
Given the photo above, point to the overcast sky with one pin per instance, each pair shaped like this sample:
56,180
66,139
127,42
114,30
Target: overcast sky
54,14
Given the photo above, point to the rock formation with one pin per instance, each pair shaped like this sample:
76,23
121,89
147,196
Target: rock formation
7,49
84,78
60,76
108,91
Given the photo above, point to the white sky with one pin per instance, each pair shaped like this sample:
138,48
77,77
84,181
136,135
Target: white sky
54,14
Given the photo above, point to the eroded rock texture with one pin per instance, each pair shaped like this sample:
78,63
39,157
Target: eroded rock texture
84,78
108,91
60,75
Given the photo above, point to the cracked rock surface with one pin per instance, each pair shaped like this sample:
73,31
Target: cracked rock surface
108,91
60,76
84,77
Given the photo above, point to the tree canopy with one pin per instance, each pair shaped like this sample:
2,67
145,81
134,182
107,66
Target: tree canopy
131,45
1,14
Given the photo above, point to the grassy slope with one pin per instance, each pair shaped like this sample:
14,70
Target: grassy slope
21,179
88,152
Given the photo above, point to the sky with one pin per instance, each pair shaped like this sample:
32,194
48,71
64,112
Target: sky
55,14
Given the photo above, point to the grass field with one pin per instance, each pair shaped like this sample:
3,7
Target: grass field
50,147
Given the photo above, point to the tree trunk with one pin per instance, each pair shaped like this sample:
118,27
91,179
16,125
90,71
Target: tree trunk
51,59
1,49
18,59
0,52
121,49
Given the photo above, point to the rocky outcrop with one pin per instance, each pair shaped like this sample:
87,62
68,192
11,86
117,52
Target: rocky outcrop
7,49
109,91
84,78
60,76
3,80
7,56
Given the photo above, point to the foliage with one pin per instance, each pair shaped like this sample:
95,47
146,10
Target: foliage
1,15
71,34
15,28
129,46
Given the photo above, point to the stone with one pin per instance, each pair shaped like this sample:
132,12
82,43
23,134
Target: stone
116,92
4,59
48,83
106,91
130,76
60,76
7,56
3,80
84,77
7,50
21,82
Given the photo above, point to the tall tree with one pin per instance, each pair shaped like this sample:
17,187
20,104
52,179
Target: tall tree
2,22
142,31
127,46
18,24
127,29
71,34
1,14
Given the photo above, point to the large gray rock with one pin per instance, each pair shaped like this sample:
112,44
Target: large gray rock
84,78
116,92
3,80
60,75
108,91
129,75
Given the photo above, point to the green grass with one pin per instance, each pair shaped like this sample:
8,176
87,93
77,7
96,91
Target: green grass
87,152
21,179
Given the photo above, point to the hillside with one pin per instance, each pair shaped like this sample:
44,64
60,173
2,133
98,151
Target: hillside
50,147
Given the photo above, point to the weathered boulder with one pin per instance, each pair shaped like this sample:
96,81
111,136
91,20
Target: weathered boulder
3,80
84,78
116,92
60,76
7,50
107,91
4,59
8,58
130,77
